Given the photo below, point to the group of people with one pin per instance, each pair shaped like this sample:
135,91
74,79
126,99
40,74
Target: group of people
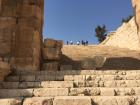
78,42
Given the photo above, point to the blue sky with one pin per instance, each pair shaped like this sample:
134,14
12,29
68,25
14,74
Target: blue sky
77,19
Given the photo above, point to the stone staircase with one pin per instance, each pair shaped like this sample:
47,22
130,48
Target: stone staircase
71,87
116,83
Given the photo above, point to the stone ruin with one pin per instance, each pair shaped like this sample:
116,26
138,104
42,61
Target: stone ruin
21,40
24,53
127,33
52,54
21,23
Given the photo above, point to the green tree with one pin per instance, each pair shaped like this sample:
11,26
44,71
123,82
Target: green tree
101,33
127,19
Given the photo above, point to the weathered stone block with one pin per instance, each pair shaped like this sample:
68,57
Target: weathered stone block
93,63
6,40
12,79
107,92
30,22
24,85
38,101
79,77
53,43
57,84
80,100
8,8
69,78
27,78
66,67
85,91
110,83
9,85
50,92
52,66
29,11
111,100
15,101
10,93
51,53
45,78
79,84
6,22
4,70
32,2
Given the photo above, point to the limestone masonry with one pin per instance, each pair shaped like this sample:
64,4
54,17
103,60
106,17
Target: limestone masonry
124,37
21,23
34,71
127,35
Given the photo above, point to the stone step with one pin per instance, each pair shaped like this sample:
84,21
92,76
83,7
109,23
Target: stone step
11,101
103,91
74,100
43,84
116,100
34,78
102,100
101,77
38,78
11,93
40,92
53,92
108,83
77,72
38,101
70,84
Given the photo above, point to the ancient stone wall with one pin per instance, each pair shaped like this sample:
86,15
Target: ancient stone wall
127,35
21,23
124,37
52,54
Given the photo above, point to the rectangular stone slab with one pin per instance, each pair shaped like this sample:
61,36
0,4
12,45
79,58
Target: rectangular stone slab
38,101
10,93
53,43
80,100
50,92
57,84
15,101
51,66
50,53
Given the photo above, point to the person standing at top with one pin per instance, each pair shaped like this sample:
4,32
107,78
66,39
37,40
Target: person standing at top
78,42
67,42
86,42
71,42
83,43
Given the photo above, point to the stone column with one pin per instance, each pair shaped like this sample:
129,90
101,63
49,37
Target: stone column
21,24
27,52
7,27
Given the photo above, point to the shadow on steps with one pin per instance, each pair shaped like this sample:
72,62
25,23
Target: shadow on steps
112,63
122,63
76,65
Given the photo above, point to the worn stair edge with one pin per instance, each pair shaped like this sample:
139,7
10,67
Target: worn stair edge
73,100
70,84
52,92
75,72
38,78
